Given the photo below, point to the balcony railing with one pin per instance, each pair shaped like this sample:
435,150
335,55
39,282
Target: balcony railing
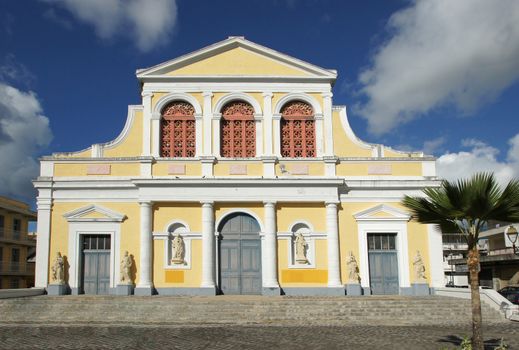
12,235
11,267
503,251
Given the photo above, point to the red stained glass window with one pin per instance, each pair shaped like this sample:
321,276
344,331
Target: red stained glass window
297,130
177,128
238,130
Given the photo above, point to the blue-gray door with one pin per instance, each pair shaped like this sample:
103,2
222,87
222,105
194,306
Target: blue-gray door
240,255
96,264
383,263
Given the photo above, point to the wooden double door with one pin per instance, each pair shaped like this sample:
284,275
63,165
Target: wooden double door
240,255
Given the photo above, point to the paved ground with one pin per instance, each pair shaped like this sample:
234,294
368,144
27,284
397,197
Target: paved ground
245,337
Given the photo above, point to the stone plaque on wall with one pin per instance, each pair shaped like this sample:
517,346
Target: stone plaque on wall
238,169
98,169
177,169
379,169
299,169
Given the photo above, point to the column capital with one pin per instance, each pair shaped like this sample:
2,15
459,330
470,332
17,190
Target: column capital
332,203
269,203
207,203
276,116
147,94
145,203
207,94
267,95
327,94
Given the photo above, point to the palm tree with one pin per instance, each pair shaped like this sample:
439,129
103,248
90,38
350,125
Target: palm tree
466,206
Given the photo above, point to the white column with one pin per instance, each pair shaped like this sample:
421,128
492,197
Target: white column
276,134
144,287
207,116
258,120
146,123
270,278
199,134
216,134
319,134
332,232
267,122
208,263
328,126
43,239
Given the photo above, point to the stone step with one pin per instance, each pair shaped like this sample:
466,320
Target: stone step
242,310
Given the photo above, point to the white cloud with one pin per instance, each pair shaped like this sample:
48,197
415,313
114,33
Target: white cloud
148,22
24,130
481,157
441,52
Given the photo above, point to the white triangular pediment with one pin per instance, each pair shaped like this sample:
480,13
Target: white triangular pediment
238,57
94,213
382,212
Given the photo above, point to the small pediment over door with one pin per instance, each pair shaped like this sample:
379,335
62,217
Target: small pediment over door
382,212
94,213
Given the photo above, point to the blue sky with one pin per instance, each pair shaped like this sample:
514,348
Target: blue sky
432,75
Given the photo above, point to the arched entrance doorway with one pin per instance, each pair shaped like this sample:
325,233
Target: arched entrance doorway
240,255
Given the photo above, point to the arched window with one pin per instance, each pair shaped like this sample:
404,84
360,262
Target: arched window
177,129
297,130
238,130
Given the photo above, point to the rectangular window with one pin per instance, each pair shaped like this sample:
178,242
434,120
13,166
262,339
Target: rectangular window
14,283
1,255
15,255
2,223
17,228
381,241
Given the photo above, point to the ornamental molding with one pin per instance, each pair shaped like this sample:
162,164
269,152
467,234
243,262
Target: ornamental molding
388,213
236,96
175,96
81,214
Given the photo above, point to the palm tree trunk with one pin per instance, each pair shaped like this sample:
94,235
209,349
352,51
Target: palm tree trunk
473,266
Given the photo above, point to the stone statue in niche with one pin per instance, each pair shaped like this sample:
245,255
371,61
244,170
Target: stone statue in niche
126,267
300,244
177,250
58,269
419,268
353,268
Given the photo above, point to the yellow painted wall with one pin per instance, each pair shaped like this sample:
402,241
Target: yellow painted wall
343,146
238,61
130,235
398,168
289,213
348,237
164,213
161,168
314,168
131,146
80,169
222,168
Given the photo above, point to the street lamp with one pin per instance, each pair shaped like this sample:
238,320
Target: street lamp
511,233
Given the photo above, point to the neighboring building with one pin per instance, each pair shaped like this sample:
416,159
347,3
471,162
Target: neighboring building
15,244
236,175
454,248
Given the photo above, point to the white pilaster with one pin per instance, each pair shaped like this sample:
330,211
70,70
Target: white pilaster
276,133
332,232
146,123
270,278
258,120
435,256
207,116
216,134
267,122
145,285
44,203
319,134
328,124
208,251
199,134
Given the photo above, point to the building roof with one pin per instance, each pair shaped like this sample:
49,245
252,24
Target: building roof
18,207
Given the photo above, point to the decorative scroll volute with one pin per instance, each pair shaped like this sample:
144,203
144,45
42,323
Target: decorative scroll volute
238,130
178,137
297,130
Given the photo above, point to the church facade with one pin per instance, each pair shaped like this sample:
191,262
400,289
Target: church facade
235,175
